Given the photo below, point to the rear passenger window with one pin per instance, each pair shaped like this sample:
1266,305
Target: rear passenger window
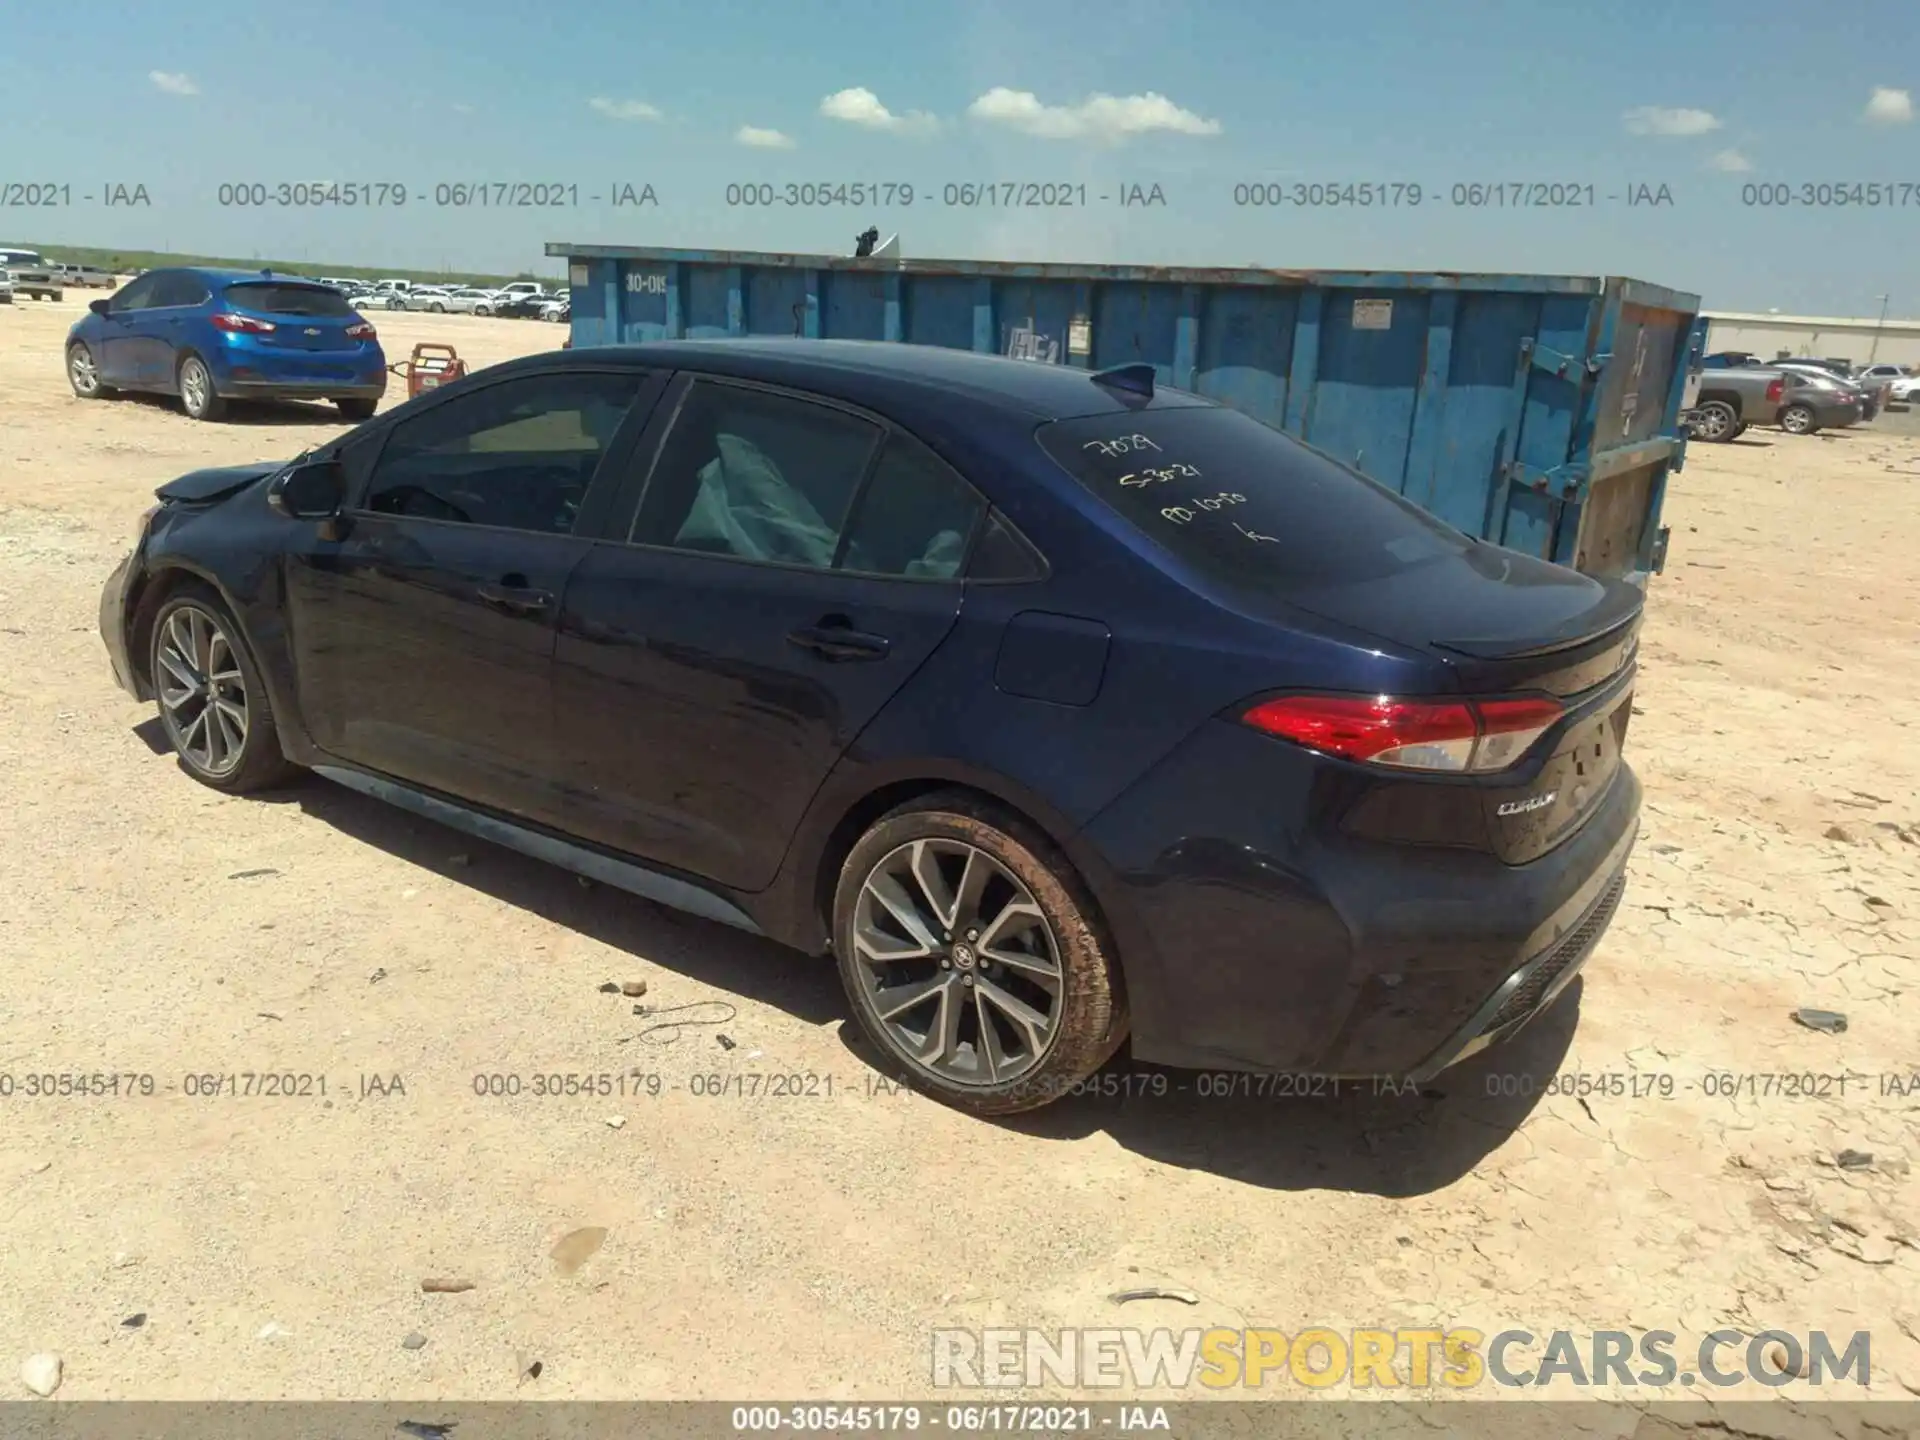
915,516
179,290
756,476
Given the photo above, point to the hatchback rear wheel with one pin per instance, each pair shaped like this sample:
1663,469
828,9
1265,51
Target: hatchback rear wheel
197,395
974,958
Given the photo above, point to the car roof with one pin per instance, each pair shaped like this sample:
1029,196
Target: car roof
216,275
886,375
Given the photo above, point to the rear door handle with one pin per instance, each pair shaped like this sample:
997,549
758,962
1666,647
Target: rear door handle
513,597
840,642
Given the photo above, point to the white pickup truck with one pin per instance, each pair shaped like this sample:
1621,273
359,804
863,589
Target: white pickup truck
33,275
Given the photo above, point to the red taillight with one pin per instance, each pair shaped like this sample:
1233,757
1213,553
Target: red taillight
361,330
1445,735
242,324
1775,390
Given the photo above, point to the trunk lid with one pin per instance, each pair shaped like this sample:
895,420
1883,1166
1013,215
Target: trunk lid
1503,623
306,317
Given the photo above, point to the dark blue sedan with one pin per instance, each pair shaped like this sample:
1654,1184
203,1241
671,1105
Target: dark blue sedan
1060,708
212,336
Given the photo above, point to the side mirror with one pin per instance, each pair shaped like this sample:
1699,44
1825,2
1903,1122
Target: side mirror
98,307
313,491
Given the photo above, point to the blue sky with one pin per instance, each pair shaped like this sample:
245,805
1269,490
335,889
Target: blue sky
1197,98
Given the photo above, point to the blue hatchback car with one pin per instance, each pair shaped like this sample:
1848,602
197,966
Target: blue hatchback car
212,336
1062,709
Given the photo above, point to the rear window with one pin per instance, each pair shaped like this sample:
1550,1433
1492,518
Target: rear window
1243,503
280,299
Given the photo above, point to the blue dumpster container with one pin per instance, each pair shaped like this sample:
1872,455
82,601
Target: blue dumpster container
1540,412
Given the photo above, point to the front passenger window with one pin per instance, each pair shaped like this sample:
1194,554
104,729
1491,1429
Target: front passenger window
518,455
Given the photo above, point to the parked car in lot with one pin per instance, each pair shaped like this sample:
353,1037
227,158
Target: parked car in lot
1059,707
427,297
213,336
471,301
559,310
6,286
1732,398
1817,402
1867,398
530,289
85,277
1880,374
34,277
522,307
1905,389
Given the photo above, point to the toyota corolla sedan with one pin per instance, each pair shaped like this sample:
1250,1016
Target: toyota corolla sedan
215,336
1062,709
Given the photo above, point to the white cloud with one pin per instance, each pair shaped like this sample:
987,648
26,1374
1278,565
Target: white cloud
1888,106
860,106
761,139
1658,120
624,109
1108,117
1731,161
174,82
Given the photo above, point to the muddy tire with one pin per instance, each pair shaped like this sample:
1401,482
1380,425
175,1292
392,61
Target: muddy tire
974,958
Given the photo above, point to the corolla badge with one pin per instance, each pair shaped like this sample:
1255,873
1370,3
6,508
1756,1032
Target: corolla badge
1532,802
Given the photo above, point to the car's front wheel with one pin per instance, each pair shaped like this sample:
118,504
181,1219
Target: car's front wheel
83,372
197,395
974,958
212,703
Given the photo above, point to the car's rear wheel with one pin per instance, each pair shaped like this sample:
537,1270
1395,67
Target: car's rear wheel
212,703
197,395
356,409
974,958
1715,422
437,308
83,372
1798,420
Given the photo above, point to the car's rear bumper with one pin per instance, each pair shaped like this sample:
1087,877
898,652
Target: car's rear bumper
113,625
1252,935
254,389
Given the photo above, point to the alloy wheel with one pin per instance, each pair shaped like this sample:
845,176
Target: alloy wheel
81,370
195,385
203,696
958,962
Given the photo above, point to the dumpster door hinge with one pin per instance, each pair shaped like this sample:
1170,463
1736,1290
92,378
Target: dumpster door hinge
1659,561
1559,482
1545,357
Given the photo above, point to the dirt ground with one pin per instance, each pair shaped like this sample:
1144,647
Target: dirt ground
806,1246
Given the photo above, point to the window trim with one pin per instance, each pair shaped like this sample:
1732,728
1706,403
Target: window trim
683,385
650,381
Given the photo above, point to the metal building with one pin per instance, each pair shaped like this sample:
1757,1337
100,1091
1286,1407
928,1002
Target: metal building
1822,337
